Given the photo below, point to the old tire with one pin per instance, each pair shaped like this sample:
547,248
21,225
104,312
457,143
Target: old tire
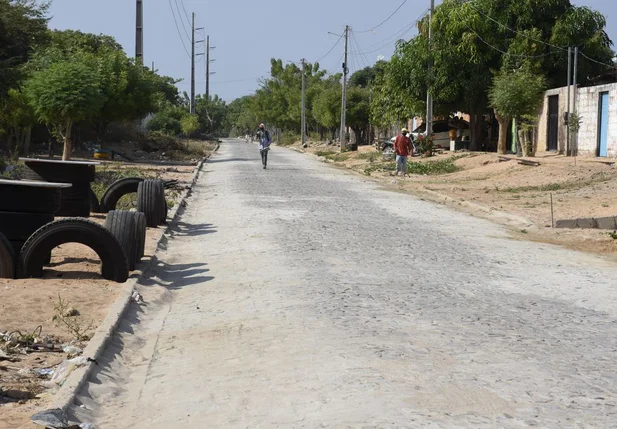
122,226
58,172
74,208
20,226
7,259
151,201
95,206
140,235
36,250
117,190
29,199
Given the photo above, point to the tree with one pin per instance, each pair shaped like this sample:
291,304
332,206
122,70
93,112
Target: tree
475,40
65,93
189,124
23,26
167,120
212,115
517,95
16,120
327,105
358,112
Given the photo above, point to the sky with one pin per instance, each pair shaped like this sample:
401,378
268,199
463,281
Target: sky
247,33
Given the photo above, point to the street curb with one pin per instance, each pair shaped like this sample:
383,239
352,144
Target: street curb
78,378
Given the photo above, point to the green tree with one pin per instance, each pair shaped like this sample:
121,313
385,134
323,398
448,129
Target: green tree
23,26
327,105
16,120
475,40
358,112
189,124
518,95
212,115
63,94
167,120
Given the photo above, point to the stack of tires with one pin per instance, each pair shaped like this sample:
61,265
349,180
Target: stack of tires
150,198
74,201
25,207
129,228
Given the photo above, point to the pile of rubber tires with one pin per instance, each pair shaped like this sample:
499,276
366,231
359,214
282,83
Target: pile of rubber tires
29,233
74,201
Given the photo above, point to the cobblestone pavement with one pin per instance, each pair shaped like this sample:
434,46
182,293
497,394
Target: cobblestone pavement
306,297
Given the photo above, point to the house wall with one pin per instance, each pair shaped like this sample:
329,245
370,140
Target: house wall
588,108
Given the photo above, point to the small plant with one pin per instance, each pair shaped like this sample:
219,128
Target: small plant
324,153
425,144
613,235
71,320
433,168
370,156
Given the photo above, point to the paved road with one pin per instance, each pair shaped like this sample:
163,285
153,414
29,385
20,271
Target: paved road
306,297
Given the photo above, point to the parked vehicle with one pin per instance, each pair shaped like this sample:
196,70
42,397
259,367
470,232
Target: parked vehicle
388,145
441,133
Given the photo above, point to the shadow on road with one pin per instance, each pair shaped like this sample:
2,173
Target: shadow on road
175,276
184,229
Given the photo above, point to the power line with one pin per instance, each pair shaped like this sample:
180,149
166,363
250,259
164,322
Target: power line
182,20
505,52
395,37
532,38
178,28
185,12
331,49
384,21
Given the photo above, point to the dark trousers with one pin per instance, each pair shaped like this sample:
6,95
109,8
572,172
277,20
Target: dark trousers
264,156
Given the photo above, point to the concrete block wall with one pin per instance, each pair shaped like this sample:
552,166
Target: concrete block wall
588,102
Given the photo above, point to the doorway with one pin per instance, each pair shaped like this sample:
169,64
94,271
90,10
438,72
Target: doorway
603,124
553,123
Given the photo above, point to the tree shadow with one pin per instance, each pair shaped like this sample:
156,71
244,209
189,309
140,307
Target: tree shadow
215,161
175,276
184,229
73,261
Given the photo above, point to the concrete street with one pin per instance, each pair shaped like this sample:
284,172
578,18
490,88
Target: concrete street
304,296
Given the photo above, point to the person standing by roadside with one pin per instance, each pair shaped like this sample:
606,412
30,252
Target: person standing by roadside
402,148
264,144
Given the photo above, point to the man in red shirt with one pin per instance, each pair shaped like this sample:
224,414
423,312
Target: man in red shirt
402,148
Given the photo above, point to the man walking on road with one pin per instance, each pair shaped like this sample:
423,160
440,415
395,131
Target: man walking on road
264,144
402,148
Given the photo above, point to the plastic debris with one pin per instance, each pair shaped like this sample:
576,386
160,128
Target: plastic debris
43,372
137,298
86,426
72,350
64,370
54,418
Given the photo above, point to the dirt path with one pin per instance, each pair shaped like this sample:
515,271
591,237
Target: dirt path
301,296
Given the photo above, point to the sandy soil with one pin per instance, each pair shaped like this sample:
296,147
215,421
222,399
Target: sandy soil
582,187
74,275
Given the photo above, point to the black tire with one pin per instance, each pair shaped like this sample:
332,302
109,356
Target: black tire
140,235
122,225
74,208
7,259
117,190
28,174
161,189
77,191
95,206
36,250
59,172
150,201
20,226
16,198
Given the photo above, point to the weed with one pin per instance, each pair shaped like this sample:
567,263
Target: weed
605,205
523,231
613,235
324,153
433,168
369,156
74,323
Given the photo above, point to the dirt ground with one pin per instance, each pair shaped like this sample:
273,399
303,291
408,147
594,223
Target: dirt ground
73,275
581,187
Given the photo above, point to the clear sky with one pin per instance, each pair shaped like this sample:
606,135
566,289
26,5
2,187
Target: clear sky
247,33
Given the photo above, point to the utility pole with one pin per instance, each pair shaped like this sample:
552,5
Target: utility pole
568,148
429,97
344,101
574,149
139,32
303,121
208,68
370,103
193,66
